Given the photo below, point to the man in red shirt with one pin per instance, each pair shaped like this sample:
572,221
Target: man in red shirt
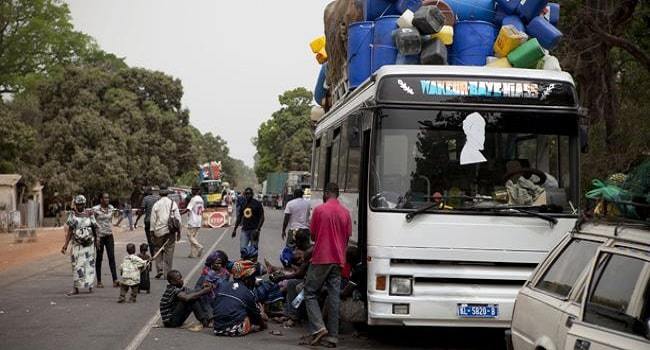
331,227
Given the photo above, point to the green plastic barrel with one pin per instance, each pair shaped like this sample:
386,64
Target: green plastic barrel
526,55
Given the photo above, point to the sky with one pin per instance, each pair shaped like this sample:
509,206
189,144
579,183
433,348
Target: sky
233,61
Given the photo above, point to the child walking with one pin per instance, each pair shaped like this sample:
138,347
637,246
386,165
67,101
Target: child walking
130,271
145,283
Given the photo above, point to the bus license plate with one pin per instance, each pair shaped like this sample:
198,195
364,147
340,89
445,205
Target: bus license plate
478,310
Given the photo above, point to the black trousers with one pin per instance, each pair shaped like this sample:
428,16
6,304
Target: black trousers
148,233
183,311
109,243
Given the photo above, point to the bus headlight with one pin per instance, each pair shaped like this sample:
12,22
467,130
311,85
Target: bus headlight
401,285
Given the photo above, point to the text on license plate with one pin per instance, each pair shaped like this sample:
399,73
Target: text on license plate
478,310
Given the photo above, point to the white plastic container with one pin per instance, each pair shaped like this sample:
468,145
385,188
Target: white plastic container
549,62
406,20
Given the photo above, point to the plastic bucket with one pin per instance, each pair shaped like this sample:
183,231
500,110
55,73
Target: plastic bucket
382,55
529,9
473,42
552,13
527,55
508,6
373,9
403,5
473,10
499,15
384,28
359,52
319,89
514,21
547,35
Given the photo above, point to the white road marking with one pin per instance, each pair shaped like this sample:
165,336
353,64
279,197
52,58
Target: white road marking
139,338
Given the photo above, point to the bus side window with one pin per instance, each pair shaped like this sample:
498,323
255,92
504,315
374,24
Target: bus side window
315,164
354,154
332,166
343,156
322,168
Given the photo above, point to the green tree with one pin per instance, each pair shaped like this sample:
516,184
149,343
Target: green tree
36,37
284,141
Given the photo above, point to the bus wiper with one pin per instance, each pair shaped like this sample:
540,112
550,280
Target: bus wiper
414,213
524,210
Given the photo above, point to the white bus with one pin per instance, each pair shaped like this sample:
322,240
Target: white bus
459,180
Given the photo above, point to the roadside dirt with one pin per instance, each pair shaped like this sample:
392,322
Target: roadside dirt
48,242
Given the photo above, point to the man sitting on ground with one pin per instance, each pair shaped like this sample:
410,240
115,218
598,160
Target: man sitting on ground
236,310
177,303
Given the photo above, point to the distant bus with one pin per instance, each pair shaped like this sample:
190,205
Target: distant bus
435,164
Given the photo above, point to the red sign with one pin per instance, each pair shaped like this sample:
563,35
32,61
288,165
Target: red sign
216,219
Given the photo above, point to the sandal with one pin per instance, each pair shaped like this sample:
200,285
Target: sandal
314,338
289,323
72,292
100,285
327,344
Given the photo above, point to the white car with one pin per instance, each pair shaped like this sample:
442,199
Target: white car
592,292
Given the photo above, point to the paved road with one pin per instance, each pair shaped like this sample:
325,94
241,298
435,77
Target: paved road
35,314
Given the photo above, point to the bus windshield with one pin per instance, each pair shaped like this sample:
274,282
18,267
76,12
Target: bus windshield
464,159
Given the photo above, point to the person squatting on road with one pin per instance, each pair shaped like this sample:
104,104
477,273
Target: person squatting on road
235,306
130,270
178,302
195,209
150,198
104,217
296,218
251,217
331,228
162,238
82,231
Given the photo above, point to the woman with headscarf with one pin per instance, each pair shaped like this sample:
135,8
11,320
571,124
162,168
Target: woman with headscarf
82,232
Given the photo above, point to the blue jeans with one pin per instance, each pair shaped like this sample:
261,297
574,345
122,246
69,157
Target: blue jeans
247,237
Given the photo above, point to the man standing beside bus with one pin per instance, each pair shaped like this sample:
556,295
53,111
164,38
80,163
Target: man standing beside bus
195,208
296,217
331,228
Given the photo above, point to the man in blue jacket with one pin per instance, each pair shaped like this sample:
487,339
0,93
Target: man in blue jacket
235,306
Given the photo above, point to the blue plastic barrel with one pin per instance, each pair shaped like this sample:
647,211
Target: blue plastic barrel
384,28
408,59
515,21
382,55
473,10
499,15
359,52
319,89
403,5
473,43
547,35
509,6
529,9
552,13
373,9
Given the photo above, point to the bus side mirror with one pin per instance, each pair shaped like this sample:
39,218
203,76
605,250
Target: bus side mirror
584,139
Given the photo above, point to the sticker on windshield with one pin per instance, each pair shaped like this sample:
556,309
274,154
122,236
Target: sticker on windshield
405,87
474,128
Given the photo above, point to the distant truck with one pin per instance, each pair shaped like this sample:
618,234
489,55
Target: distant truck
275,182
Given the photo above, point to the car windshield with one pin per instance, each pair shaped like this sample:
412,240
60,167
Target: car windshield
464,159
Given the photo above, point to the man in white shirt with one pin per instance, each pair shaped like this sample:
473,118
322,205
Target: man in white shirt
161,236
195,210
296,217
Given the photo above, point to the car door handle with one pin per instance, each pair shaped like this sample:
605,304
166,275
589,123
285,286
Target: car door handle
582,345
569,321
